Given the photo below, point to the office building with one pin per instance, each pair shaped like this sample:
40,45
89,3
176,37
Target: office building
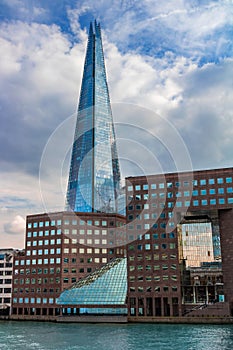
6,267
158,206
94,178
60,249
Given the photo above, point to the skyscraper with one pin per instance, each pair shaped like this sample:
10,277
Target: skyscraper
94,176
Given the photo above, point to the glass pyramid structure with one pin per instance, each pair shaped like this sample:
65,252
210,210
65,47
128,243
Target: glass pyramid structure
105,287
94,177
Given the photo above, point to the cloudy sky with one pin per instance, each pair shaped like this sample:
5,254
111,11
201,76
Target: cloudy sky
169,67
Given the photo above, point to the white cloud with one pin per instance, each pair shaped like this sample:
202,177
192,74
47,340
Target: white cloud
17,226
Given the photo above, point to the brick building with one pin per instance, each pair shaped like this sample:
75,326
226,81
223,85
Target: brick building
60,249
157,207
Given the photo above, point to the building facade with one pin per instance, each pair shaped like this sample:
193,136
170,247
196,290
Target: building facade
6,267
158,206
60,249
94,178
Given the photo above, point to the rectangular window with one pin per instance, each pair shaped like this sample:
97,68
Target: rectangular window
228,180
195,203
221,201
212,191
203,192
229,190
212,201
220,180
203,182
211,181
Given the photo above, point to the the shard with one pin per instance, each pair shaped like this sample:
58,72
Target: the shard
94,177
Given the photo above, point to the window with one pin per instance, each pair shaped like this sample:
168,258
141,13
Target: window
145,187
195,203
212,201
229,180
137,187
212,191
221,190
229,190
130,188
203,192
230,200
161,185
153,186
203,182
204,202
211,181
195,192
220,180
221,201
186,193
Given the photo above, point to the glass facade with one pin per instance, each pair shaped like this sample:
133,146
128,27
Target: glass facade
94,171
106,286
197,243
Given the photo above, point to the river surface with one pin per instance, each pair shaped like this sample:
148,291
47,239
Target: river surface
52,336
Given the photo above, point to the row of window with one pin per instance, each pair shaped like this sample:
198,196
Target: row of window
40,280
150,268
34,300
203,192
81,232
5,300
197,202
6,273
39,271
5,265
5,281
38,261
149,246
52,241
156,278
58,260
33,290
5,290
161,185
150,289
148,257
73,222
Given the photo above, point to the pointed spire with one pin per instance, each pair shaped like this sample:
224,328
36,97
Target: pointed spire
94,172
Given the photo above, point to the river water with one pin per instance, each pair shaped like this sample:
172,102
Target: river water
51,336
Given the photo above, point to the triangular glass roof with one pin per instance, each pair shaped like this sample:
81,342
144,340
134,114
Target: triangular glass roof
106,286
